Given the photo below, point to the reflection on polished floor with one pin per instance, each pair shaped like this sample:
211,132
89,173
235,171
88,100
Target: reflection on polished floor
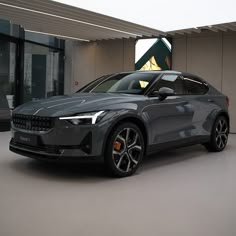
181,192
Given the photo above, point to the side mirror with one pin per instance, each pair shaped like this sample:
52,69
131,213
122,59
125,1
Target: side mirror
163,93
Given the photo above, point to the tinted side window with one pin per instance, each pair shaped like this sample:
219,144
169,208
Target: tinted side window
193,86
171,81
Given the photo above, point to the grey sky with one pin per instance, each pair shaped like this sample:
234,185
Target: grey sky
164,15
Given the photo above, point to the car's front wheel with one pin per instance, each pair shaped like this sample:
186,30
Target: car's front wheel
219,135
125,150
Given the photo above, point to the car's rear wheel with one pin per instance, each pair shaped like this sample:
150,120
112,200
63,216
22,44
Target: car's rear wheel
125,150
219,135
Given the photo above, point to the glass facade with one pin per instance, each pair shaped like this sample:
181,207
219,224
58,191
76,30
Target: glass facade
7,73
41,72
31,67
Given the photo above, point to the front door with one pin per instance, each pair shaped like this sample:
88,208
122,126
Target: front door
171,119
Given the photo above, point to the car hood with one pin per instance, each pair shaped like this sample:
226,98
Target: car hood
79,102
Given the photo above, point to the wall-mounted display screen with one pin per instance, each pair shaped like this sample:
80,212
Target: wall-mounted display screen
153,54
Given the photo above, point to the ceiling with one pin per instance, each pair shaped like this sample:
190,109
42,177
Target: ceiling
231,26
66,21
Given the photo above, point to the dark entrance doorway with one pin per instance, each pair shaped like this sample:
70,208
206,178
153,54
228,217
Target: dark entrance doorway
8,68
38,76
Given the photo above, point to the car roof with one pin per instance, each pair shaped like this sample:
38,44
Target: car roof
158,72
153,72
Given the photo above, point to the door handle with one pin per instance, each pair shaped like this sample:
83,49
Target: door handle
210,100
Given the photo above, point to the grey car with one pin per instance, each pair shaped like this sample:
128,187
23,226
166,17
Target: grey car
120,118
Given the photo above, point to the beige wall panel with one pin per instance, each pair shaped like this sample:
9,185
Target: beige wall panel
83,64
88,61
129,55
229,78
109,57
204,58
179,54
212,56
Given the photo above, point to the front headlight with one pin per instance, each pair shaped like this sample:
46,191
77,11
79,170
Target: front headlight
88,118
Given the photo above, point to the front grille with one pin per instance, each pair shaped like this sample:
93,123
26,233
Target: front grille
35,123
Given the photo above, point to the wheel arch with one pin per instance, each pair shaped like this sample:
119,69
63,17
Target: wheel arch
224,113
216,115
131,119
212,145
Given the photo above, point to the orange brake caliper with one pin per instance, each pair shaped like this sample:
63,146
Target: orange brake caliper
117,146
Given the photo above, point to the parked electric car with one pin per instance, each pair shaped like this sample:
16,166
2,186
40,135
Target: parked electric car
119,118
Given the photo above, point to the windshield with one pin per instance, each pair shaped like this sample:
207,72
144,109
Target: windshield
130,83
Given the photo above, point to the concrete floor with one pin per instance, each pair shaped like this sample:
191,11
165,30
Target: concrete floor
183,192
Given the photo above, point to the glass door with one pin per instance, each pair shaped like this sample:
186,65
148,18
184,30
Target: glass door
7,73
7,81
41,72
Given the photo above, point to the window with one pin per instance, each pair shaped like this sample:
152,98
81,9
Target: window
171,81
88,87
103,87
194,86
42,74
130,83
7,74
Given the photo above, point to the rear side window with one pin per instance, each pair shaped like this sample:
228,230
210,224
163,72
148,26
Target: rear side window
193,86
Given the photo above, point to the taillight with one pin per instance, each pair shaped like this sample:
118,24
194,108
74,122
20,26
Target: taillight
227,100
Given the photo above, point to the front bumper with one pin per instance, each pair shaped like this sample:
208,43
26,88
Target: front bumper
64,142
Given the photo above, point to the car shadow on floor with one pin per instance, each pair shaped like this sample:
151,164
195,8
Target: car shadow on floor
70,172
59,171
173,156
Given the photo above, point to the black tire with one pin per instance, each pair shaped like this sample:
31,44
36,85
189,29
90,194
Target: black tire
124,153
219,135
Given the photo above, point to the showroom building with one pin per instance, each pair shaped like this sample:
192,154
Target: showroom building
50,49
31,65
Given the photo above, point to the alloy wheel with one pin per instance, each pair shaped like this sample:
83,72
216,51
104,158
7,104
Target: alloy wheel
222,132
127,150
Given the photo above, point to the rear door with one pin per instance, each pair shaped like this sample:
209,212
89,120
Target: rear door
170,119
195,92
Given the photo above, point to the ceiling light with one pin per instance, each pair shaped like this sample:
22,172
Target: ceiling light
57,35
